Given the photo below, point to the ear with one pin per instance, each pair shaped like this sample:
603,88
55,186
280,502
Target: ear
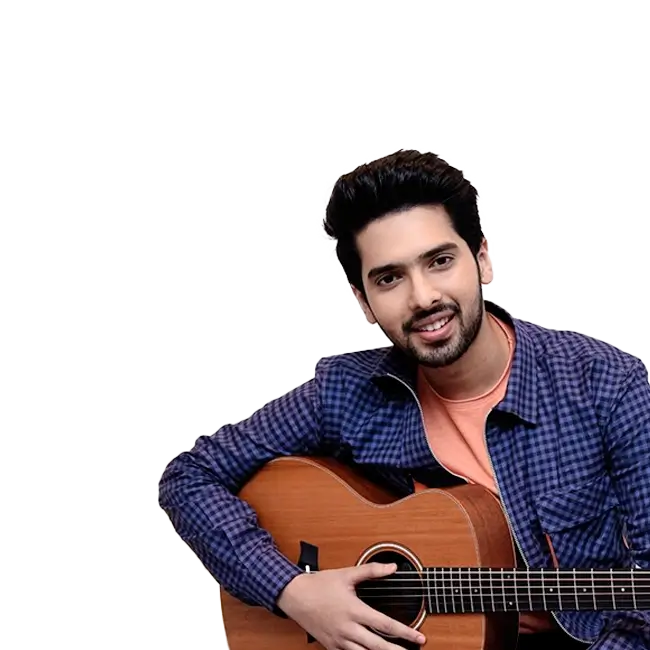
484,263
370,317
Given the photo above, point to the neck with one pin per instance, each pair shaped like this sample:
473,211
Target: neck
478,370
450,590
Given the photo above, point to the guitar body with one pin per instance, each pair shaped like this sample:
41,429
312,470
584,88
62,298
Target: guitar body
353,521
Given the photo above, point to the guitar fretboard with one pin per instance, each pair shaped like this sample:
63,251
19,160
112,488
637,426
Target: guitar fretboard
457,590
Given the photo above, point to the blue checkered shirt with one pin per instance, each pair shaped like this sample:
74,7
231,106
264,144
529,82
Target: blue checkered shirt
570,446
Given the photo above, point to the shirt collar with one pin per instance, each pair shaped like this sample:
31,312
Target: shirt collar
521,393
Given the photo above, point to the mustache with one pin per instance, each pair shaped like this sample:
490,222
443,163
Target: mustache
421,315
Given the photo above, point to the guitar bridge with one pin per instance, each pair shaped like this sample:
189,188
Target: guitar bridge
308,562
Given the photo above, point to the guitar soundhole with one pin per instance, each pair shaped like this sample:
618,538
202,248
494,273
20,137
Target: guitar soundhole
399,595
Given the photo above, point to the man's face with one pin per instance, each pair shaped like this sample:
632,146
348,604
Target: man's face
423,285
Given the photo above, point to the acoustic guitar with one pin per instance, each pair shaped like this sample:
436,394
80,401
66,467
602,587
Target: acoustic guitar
456,580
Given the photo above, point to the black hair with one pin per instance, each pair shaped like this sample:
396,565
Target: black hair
391,184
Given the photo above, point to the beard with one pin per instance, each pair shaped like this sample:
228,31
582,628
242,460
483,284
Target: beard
443,353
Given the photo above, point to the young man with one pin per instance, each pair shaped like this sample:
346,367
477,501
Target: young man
556,424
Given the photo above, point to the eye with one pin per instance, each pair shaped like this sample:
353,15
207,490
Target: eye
441,261
386,280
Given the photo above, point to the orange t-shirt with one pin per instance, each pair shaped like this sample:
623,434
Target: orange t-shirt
456,433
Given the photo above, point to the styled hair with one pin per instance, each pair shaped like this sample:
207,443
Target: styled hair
392,184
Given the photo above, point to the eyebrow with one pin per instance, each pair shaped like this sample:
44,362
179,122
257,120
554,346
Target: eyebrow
395,266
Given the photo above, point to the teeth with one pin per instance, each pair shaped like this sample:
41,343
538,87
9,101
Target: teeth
435,326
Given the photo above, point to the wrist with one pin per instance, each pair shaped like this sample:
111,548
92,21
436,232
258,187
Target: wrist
291,594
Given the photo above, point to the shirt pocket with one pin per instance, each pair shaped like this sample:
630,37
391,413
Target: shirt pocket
583,524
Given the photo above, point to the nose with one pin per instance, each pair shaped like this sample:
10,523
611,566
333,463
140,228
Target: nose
423,293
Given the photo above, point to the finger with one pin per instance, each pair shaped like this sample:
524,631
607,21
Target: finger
351,645
390,627
372,570
372,641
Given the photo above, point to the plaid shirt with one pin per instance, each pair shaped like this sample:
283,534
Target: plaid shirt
569,443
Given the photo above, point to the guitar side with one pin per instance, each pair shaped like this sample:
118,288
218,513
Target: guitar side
349,519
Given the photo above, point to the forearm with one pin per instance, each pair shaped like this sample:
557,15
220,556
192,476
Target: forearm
223,532
198,492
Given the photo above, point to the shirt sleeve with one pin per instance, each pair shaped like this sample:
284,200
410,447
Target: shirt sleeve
627,439
197,491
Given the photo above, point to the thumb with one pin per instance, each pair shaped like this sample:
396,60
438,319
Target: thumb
372,570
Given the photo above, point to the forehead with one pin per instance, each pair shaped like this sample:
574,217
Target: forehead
400,237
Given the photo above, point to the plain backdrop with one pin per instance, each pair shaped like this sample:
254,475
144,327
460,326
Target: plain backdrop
165,168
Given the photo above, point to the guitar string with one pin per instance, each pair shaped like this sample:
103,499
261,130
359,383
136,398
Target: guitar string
536,602
616,594
616,572
543,605
599,590
535,574
503,582
618,603
512,591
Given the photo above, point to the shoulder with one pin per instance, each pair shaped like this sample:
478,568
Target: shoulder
361,365
573,360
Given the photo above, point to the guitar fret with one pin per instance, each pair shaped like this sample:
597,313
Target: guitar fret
471,596
451,590
551,596
494,609
427,574
454,604
446,591
593,586
539,590
460,591
463,588
604,597
633,587
584,592
443,590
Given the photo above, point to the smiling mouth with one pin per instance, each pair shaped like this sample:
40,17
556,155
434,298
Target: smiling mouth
436,332
434,327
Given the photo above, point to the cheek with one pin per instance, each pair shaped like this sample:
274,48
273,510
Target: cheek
472,298
390,311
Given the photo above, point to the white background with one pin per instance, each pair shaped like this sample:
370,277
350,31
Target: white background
164,173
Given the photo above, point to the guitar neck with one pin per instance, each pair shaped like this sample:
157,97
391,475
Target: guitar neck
453,590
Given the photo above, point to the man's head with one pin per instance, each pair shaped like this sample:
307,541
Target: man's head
410,242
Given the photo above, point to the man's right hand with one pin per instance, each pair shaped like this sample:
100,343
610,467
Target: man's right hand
326,605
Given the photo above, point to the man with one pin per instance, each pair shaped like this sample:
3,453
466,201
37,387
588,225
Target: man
556,424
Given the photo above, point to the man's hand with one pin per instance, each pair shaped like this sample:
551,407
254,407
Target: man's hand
325,604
